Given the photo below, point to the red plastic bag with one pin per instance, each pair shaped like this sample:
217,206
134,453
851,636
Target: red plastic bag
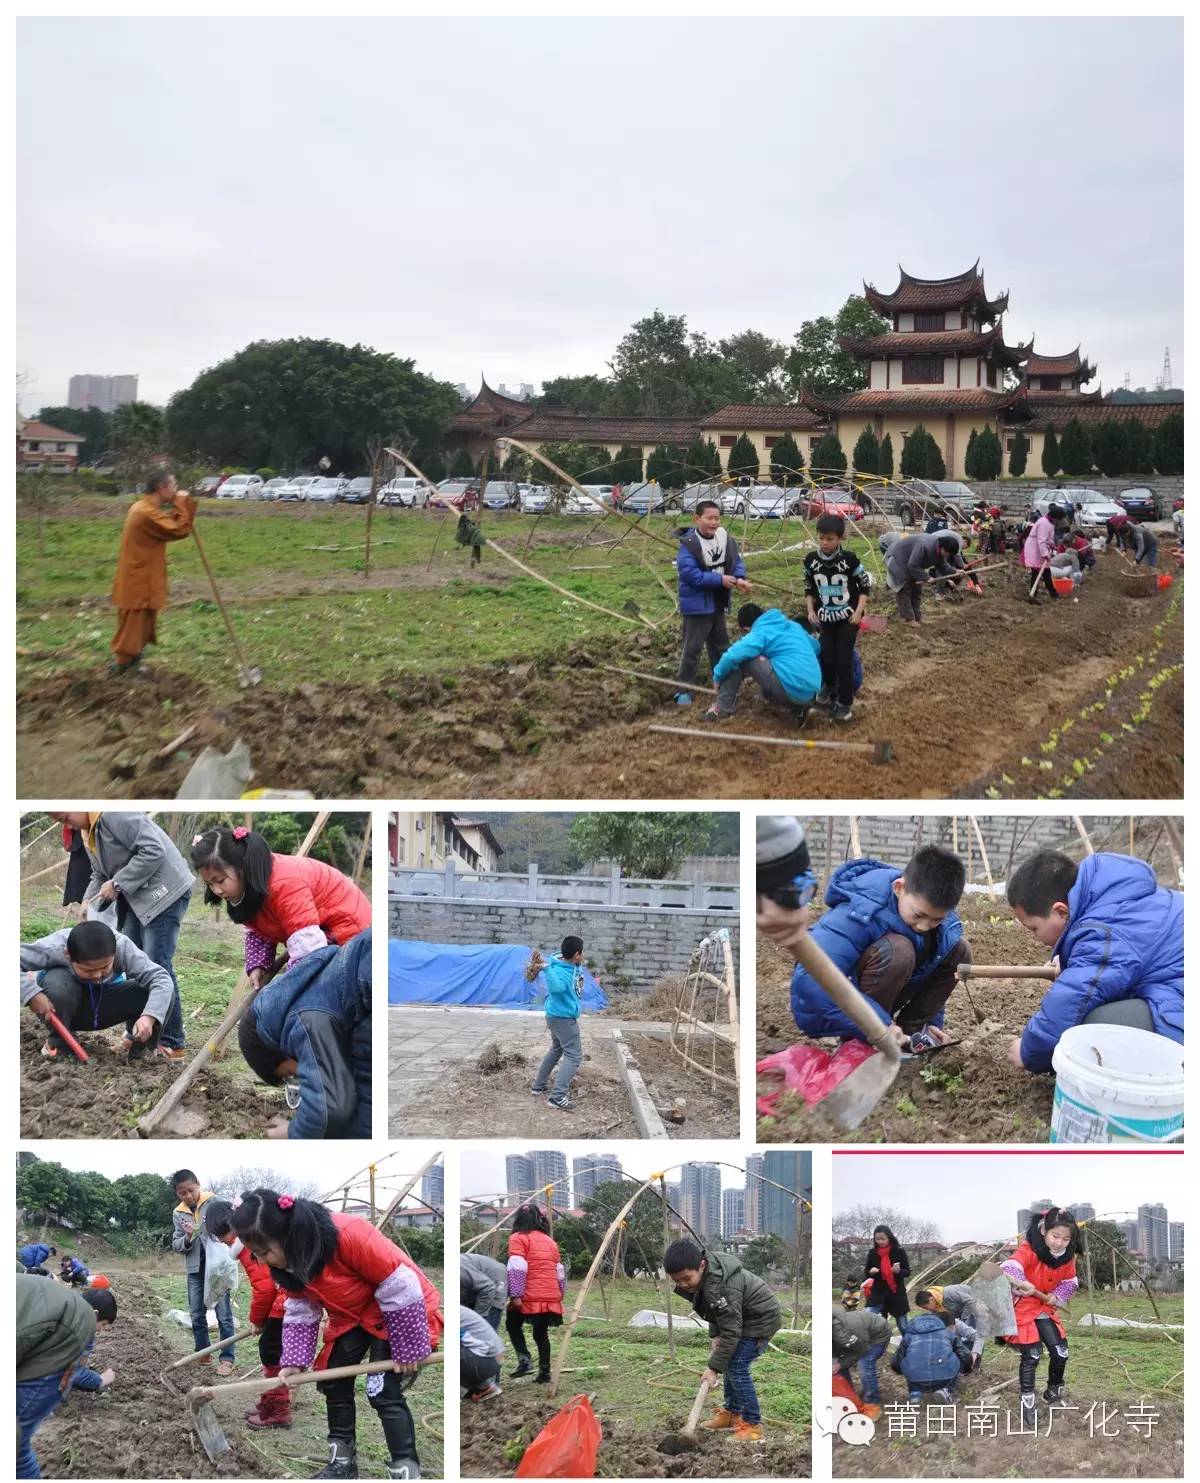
809,1071
566,1446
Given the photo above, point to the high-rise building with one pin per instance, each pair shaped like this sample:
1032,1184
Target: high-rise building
1025,1216
1083,1211
787,1174
733,1211
549,1167
675,1199
518,1176
1130,1230
754,1193
1176,1234
433,1186
1154,1232
592,1170
702,1198
101,393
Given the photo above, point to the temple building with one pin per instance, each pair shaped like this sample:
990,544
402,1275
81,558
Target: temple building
943,362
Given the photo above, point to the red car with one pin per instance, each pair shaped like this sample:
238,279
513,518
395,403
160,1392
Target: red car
459,494
831,502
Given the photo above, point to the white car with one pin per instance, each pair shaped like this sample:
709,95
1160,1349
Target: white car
273,488
761,502
241,486
298,487
408,492
536,499
1093,509
324,491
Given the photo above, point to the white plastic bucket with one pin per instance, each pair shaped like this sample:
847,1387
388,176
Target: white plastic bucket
1117,1085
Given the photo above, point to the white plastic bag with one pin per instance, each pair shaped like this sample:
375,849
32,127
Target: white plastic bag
221,1270
103,911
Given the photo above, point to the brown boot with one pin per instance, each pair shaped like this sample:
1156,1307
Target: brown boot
723,1421
747,1431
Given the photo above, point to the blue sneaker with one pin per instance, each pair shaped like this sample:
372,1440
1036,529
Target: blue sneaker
683,698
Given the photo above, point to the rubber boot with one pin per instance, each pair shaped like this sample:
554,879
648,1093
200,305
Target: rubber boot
274,1406
403,1467
524,1367
343,1460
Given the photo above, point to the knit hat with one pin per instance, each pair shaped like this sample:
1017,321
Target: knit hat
780,853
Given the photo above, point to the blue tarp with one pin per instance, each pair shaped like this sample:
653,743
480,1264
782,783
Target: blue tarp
435,973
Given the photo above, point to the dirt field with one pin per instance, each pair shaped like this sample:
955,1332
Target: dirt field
707,1112
1066,699
968,1092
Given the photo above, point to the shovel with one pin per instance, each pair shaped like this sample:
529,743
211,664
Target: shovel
249,675
685,1441
189,1359
66,1037
201,1397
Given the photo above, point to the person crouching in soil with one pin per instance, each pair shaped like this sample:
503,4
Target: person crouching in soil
92,977
377,1304
310,1030
164,513
742,1314
55,1329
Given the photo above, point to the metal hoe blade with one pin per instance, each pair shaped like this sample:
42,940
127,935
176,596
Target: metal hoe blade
855,1096
208,1429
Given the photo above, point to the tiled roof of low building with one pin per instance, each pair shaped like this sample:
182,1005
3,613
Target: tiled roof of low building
575,427
1059,409
744,417
922,399
42,430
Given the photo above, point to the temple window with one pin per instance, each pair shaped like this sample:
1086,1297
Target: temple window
929,321
924,368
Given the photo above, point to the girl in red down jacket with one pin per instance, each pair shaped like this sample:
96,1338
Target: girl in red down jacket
1042,1274
378,1304
267,1301
537,1281
301,903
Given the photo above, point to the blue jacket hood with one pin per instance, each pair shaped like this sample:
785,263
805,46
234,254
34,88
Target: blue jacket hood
1123,940
790,649
862,909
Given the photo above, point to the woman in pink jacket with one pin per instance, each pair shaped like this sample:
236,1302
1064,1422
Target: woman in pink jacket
1039,549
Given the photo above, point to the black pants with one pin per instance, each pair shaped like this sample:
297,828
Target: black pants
270,1342
83,1006
476,1371
702,630
837,660
540,1325
1031,1355
384,1392
1046,581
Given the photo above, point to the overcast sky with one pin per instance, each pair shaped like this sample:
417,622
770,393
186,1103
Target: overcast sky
330,1164
976,1196
483,1170
509,195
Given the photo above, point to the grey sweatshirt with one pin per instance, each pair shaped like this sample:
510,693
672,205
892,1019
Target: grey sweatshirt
489,1280
51,952
141,861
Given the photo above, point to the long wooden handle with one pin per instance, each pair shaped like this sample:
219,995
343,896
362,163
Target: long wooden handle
851,1001
212,1348
1001,970
201,1393
697,1407
216,592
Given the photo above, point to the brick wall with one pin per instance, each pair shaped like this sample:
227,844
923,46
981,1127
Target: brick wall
626,948
1014,495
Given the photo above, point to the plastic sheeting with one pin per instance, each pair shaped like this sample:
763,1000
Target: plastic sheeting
652,1318
492,975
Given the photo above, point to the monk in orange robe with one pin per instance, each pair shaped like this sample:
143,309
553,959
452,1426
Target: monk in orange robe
164,513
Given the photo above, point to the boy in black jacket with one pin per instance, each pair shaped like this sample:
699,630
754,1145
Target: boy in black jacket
836,585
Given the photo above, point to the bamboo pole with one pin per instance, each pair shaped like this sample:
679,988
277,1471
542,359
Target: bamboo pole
828,848
49,870
549,1194
983,856
666,1242
1132,850
29,844
406,1189
954,832
1083,834
362,851
153,1120
371,1176
855,841
1175,844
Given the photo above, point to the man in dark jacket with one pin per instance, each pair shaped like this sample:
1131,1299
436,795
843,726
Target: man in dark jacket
895,934
861,1338
313,1024
742,1313
1117,936
55,1327
709,567
483,1285
911,560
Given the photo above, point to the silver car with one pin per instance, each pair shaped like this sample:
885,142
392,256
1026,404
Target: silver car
324,491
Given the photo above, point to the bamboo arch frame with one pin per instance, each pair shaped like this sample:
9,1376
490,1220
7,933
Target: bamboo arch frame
713,953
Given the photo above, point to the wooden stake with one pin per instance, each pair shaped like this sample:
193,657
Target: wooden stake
371,1178
855,841
662,1183
1132,850
407,1189
362,851
375,453
1175,843
549,1193
1083,834
638,674
828,848
983,856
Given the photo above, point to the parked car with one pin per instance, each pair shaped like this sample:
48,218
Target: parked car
1093,509
356,491
209,484
947,499
297,488
459,494
1065,499
408,492
535,499
687,499
324,491
1140,501
643,499
240,486
762,501
501,494
830,502
273,488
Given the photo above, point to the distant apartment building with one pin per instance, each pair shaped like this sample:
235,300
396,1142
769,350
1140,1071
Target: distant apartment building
427,840
549,1167
754,1193
433,1186
1129,1229
1025,1216
101,393
1176,1236
1083,1211
787,1175
1154,1232
593,1170
702,1198
518,1176
733,1212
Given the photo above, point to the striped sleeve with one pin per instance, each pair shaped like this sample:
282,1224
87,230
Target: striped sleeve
301,1329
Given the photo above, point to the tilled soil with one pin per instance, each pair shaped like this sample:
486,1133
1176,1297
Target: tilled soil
969,1092
105,1098
490,1428
707,1112
1069,1451
980,686
136,1429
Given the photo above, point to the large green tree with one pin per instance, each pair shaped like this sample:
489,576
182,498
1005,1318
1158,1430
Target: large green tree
1075,449
818,364
627,466
921,458
649,846
787,462
667,466
1168,445
1110,448
92,425
827,455
1051,457
1019,455
866,452
462,465
742,462
989,456
1139,443
290,403
886,457
970,467
575,459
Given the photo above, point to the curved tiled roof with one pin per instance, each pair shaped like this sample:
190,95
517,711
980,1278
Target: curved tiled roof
1061,408
922,399
576,427
937,342
1072,364
936,293
489,408
757,417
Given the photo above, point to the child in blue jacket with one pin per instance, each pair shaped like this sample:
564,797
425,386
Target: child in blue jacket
34,1257
1118,938
709,567
564,984
930,1356
895,934
774,652
312,1024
